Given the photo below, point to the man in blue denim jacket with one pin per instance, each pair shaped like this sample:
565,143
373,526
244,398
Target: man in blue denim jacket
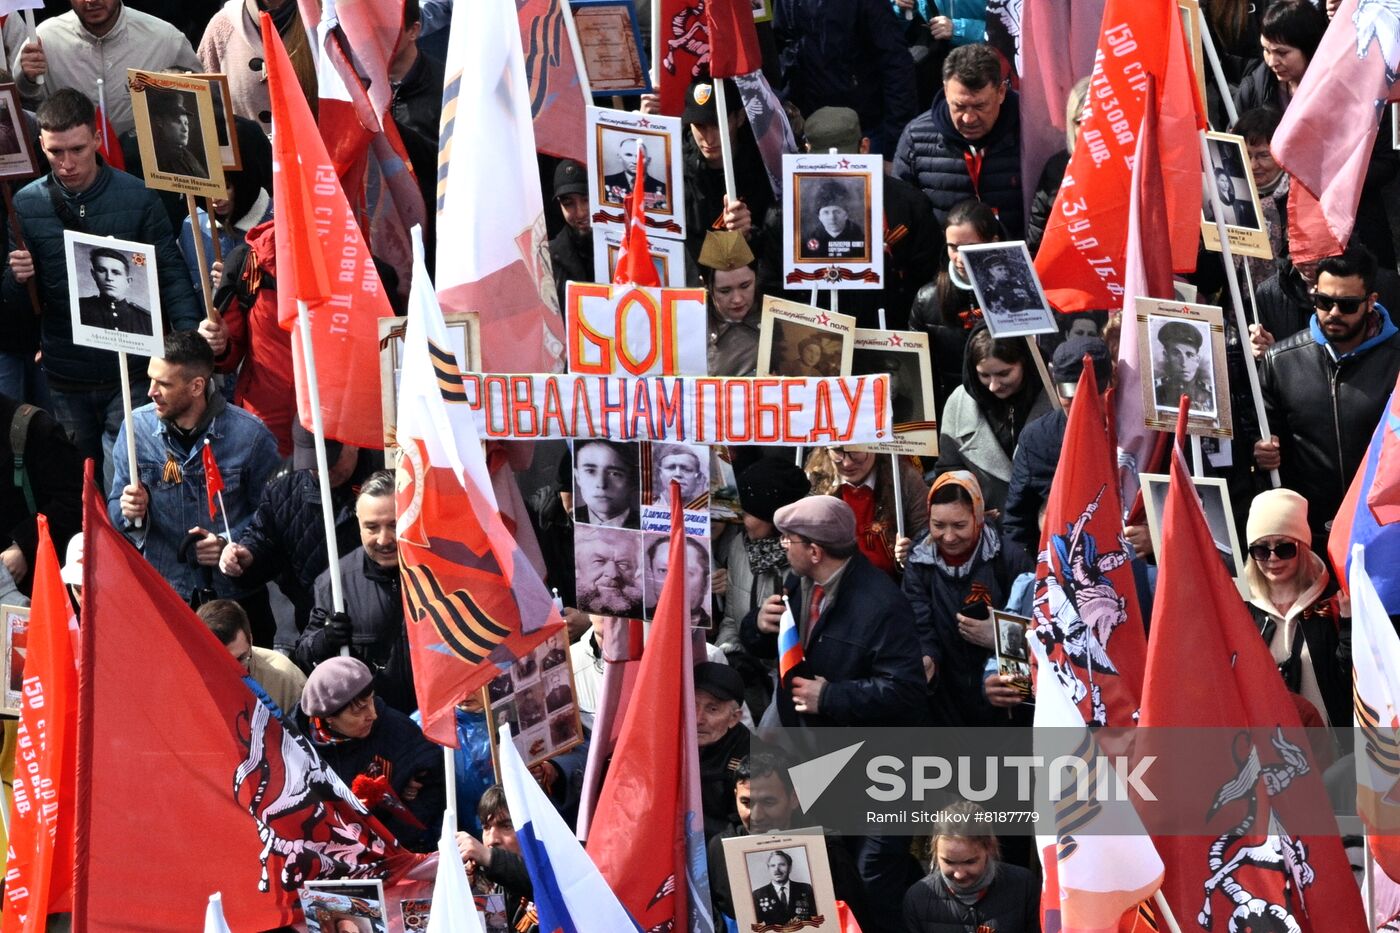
169,500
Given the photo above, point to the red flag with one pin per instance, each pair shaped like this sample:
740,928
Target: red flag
315,231
650,871
1086,608
685,50
1207,668
213,479
1081,258
733,38
1326,135
556,100
634,265
174,750
39,875
107,143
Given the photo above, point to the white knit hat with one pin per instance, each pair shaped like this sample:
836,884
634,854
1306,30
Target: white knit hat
1278,512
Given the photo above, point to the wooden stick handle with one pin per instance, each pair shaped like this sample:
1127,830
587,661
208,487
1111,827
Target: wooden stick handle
199,259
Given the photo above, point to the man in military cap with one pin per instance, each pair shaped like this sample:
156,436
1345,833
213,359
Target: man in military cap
1179,369
730,274
1001,289
170,136
836,236
109,309
618,185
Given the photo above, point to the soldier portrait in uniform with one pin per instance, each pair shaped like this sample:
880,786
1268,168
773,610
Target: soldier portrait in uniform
619,160
1231,182
112,308
779,897
113,294
833,212
1008,292
176,134
16,149
1182,365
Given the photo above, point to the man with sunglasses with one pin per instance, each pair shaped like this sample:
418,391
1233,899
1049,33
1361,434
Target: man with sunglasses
1325,388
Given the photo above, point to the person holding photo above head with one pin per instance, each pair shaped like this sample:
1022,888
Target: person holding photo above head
729,272
111,308
1000,394
618,186
946,308
955,574
605,475
177,151
1307,632
1182,369
836,235
865,482
83,194
968,886
1349,355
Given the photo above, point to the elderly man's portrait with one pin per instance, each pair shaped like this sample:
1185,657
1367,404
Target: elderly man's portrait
781,886
1230,179
832,216
1182,365
617,155
697,576
114,293
607,491
608,571
687,466
176,134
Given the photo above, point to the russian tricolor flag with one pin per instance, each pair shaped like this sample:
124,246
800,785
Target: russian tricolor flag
570,893
790,655
1369,515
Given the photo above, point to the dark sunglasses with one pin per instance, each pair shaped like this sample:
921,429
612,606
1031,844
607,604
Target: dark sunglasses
1284,550
1346,306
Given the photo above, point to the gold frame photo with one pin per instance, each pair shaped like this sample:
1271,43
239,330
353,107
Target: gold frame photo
192,166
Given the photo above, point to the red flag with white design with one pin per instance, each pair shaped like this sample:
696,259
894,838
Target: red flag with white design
634,265
685,51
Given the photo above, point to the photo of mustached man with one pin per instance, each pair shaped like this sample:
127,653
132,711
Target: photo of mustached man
608,571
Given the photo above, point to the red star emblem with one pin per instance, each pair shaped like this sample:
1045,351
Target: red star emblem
844,163
822,319
896,340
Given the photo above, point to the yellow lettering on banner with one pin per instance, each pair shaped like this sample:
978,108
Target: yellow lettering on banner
553,410
582,336
670,409
823,420
642,300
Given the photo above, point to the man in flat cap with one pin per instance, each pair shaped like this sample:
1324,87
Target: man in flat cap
836,236
1180,370
170,136
571,250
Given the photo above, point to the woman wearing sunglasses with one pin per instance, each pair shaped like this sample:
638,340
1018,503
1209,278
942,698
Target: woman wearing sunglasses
1302,628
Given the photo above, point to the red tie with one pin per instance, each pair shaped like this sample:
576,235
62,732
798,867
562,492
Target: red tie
815,612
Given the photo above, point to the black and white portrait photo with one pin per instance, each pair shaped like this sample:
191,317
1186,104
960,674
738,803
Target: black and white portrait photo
229,155
657,552
607,490
113,294
177,133
1012,650
618,152
608,571
787,878
17,158
615,138
1182,364
686,465
834,216
174,123
1007,290
780,882
1215,503
1230,177
906,381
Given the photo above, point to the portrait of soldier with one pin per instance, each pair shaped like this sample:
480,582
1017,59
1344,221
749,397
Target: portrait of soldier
1182,367
110,308
834,235
172,130
1002,288
618,185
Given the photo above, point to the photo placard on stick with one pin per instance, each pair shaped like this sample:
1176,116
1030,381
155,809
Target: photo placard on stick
15,620
614,138
1185,347
1215,502
536,696
801,340
611,43
1190,13
113,294
833,221
175,130
1008,290
17,158
1239,200
667,255
1012,649
224,125
781,881
332,906
463,329
904,355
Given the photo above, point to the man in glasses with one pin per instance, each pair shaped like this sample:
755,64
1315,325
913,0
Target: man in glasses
1325,388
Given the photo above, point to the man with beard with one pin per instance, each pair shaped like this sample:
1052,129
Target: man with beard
606,564
1349,354
571,250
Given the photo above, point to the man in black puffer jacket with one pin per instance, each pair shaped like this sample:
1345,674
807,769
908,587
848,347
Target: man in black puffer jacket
969,143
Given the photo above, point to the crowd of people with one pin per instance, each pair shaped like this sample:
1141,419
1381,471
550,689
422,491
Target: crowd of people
889,564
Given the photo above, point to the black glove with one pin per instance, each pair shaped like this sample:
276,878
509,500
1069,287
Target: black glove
337,630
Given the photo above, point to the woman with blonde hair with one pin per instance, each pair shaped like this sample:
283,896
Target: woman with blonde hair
968,887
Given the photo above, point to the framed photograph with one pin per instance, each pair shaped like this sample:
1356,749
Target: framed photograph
537,698
224,126
614,139
800,340
762,10
1239,200
781,881
1215,502
16,633
1190,13
344,907
667,255
608,571
904,355
464,330
1008,290
1013,653
1185,347
833,221
175,129
18,160
656,558
611,43
113,294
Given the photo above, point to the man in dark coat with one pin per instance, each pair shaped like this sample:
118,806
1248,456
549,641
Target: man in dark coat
571,250
783,900
723,740
968,145
50,482
618,186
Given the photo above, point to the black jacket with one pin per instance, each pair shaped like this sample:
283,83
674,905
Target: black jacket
1324,412
932,155
508,870
864,643
718,765
1283,303
55,474
378,636
1032,471
704,190
571,258
1010,905
1046,190
417,101
1329,646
